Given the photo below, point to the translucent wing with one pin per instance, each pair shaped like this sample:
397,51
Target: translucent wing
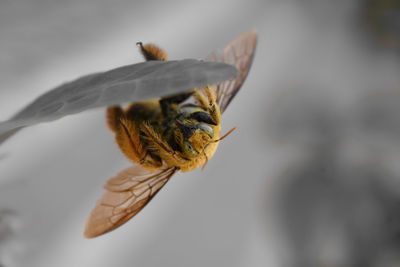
126,194
240,53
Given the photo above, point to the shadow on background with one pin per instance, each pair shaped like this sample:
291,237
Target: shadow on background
337,200
338,206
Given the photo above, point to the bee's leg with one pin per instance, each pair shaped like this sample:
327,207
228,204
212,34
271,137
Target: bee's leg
167,103
113,116
151,163
213,107
165,150
127,136
201,98
209,103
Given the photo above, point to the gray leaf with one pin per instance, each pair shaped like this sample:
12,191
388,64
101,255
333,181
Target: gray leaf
125,84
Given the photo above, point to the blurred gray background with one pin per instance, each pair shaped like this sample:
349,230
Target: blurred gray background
310,178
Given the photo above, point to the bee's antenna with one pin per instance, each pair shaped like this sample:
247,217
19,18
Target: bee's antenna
225,135
204,149
204,165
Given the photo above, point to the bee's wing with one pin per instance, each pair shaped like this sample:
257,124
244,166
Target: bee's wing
238,52
126,194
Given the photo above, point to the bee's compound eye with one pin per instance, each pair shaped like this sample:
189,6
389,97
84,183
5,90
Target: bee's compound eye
187,130
207,129
189,150
202,116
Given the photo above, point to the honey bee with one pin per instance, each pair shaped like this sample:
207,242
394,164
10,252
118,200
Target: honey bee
166,135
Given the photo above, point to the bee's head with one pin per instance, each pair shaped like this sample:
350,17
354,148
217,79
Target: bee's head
193,137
